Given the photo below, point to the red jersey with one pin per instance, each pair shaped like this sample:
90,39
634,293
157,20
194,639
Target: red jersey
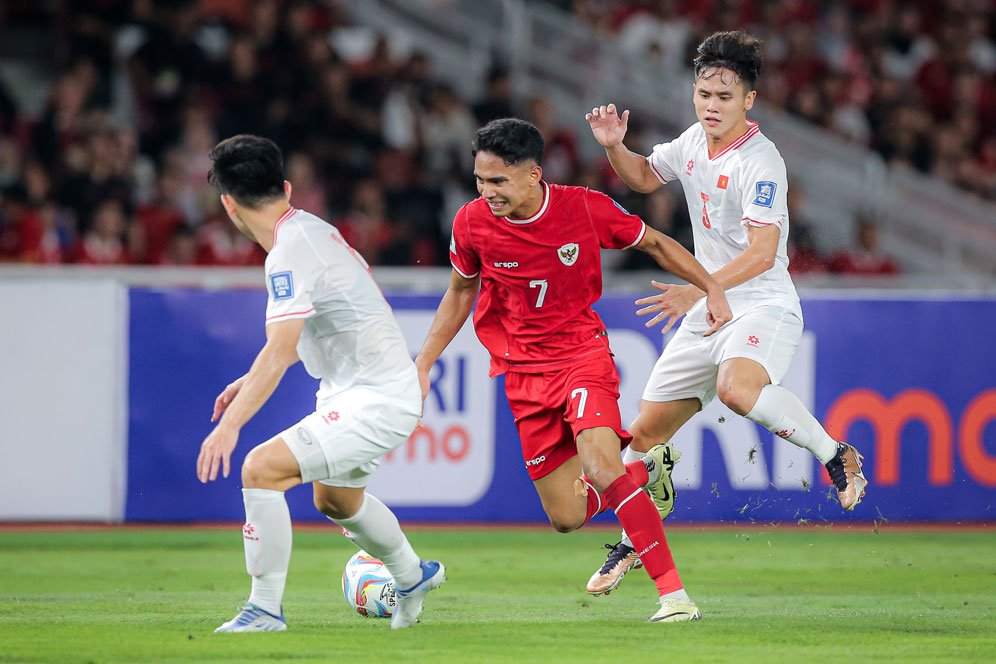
540,276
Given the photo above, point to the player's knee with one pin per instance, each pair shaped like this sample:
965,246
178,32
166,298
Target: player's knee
564,524
736,396
254,472
643,438
332,508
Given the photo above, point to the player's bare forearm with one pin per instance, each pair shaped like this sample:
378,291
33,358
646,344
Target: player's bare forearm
452,313
265,374
758,258
677,260
632,168
269,367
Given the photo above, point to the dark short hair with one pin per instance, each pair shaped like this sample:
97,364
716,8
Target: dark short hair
513,140
734,50
248,168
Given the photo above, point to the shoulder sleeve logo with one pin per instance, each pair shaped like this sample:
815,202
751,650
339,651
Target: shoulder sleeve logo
765,193
616,203
282,285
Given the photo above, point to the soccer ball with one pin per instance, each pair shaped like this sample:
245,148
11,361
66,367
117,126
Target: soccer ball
368,587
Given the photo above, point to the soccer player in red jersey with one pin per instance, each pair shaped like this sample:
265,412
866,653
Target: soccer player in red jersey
532,249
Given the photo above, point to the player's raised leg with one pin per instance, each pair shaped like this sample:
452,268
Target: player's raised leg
656,423
621,490
375,529
267,472
744,386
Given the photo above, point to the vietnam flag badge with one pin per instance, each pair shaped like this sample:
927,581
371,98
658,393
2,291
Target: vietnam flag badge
724,180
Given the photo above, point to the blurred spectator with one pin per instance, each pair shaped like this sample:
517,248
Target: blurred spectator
803,253
667,213
561,161
497,100
866,258
104,242
308,193
181,248
157,220
377,139
447,129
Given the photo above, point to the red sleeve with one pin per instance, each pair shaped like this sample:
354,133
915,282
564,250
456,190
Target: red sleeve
615,226
463,256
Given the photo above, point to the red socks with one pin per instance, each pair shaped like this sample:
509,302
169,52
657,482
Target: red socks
640,520
637,473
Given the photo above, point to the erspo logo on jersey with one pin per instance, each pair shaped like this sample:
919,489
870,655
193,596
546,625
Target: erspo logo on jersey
449,460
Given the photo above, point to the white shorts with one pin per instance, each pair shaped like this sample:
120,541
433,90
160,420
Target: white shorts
341,443
689,365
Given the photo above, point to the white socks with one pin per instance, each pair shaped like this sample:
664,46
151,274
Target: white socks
376,530
677,594
629,456
783,414
267,539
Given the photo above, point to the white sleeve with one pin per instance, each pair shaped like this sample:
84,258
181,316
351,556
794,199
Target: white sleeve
764,196
291,270
664,161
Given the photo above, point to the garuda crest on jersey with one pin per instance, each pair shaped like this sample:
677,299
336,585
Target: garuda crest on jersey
568,253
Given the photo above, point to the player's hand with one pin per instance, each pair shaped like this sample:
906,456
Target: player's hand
607,126
718,311
225,398
216,451
423,383
672,303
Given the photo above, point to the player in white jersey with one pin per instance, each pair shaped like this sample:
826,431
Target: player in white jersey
735,185
325,309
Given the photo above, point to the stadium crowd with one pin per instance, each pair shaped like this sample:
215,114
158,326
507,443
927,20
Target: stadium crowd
113,170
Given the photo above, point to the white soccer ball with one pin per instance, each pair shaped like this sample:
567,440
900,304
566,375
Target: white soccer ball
368,587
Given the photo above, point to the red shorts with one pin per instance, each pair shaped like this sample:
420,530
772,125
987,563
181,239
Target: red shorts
552,408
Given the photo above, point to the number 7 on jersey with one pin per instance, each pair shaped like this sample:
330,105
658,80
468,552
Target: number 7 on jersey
541,284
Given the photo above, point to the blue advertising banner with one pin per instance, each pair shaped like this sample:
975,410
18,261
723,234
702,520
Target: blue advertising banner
909,382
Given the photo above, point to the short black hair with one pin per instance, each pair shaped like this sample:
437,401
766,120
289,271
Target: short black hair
734,50
248,168
513,140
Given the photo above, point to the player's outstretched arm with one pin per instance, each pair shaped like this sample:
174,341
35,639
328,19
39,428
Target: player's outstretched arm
675,301
609,129
456,305
269,367
226,396
757,258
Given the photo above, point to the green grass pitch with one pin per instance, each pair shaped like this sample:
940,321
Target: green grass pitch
775,594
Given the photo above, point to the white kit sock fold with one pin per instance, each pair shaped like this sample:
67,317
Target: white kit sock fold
267,538
376,530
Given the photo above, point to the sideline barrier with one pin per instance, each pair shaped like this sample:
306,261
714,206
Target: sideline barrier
909,381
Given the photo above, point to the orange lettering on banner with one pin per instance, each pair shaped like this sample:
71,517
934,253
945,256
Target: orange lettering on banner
456,443
888,421
452,445
412,444
971,446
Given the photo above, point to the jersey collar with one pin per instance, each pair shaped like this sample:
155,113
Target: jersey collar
752,129
284,217
543,207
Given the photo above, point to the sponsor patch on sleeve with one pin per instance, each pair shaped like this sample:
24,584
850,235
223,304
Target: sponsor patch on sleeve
624,210
765,193
282,285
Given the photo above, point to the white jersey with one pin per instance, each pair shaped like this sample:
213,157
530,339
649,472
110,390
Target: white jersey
745,184
350,337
